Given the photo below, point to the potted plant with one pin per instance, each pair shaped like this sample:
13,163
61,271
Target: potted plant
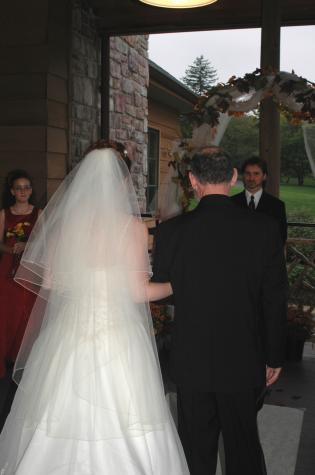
162,320
301,327
301,309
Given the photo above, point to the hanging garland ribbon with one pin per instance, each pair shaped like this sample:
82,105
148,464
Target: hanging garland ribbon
294,95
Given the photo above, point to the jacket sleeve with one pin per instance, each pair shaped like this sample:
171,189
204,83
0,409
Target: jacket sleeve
162,259
274,297
161,254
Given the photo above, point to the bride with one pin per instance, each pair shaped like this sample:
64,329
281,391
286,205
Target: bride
90,399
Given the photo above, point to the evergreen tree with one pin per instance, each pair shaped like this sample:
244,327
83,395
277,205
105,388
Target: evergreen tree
200,76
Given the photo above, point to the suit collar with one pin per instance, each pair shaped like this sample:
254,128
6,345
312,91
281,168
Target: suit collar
209,200
263,196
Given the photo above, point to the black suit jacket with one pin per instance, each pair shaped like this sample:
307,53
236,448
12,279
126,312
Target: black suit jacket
269,205
228,276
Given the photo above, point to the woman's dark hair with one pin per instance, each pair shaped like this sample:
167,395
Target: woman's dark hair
102,143
7,197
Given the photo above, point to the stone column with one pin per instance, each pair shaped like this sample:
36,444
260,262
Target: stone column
128,106
269,114
120,115
84,80
105,87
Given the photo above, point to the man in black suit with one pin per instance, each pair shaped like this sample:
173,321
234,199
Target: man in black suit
228,276
254,171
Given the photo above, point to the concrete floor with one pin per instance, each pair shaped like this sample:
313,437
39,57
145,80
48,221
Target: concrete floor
296,388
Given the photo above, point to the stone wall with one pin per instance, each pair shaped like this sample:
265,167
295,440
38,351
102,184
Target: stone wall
129,80
129,103
84,81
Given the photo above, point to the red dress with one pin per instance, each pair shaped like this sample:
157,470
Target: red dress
15,301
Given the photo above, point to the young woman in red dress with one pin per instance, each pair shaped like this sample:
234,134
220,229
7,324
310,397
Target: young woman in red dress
16,302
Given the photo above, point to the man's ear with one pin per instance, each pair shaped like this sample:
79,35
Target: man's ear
234,177
192,180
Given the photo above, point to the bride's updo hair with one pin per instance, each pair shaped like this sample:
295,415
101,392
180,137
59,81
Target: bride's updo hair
118,146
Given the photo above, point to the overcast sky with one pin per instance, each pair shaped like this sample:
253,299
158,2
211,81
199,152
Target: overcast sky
233,52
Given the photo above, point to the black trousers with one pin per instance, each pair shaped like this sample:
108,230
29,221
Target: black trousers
201,418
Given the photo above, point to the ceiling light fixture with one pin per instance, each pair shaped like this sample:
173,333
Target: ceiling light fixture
178,3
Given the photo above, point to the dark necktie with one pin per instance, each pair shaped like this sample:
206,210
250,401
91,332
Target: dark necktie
251,204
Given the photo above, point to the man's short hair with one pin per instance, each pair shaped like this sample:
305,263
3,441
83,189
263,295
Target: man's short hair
212,167
255,161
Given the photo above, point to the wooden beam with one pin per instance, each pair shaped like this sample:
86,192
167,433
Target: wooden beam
121,17
269,114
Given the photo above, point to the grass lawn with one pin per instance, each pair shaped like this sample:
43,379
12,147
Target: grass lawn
299,201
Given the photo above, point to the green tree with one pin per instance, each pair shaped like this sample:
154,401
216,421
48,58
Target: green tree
241,139
200,76
294,161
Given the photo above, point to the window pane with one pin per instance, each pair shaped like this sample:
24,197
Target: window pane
152,173
151,198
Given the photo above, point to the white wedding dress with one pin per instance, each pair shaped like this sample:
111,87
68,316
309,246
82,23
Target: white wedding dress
91,398
114,421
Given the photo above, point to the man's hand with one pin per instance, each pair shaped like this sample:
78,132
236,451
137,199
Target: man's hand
272,374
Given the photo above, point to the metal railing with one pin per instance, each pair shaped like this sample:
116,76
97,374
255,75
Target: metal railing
300,254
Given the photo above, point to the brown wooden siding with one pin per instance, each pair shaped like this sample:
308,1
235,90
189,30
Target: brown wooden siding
165,120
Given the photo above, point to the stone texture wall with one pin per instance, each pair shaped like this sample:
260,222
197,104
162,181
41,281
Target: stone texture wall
84,81
129,103
129,80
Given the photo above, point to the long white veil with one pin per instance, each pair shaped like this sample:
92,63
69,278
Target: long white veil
309,141
89,346
83,226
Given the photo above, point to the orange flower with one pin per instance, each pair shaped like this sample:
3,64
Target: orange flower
18,230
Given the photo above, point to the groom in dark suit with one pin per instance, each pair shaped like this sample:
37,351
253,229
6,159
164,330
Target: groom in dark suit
254,171
228,276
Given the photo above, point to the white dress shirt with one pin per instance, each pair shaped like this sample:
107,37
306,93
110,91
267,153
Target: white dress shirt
256,196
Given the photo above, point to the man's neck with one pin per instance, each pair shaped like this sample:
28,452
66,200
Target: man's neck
210,189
